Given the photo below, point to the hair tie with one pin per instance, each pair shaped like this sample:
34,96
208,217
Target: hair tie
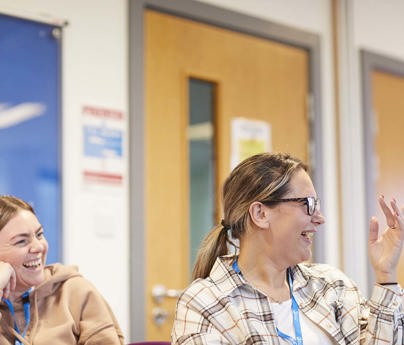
225,226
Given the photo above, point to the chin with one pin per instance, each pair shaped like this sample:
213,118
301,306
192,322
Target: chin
27,283
305,257
308,257
40,279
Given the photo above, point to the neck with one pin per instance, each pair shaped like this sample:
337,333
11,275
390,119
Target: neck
16,294
256,262
263,270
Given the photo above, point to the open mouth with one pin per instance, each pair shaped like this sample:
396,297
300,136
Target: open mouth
33,264
307,235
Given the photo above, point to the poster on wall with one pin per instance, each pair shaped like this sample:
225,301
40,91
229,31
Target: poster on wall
30,117
103,146
249,137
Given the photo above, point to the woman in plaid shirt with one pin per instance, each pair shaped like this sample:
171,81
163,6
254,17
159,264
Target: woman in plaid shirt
266,293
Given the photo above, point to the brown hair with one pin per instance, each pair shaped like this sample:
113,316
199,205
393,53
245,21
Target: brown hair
9,206
260,177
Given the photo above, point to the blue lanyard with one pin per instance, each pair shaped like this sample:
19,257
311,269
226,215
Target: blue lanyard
295,312
296,319
27,314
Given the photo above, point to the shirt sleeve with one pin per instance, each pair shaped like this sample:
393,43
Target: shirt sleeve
384,315
191,328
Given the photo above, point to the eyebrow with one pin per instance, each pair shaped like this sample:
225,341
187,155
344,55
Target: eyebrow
25,234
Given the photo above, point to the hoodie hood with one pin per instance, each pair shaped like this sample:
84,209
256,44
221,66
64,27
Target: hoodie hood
55,275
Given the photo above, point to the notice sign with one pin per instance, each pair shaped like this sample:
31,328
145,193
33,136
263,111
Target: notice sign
249,137
102,145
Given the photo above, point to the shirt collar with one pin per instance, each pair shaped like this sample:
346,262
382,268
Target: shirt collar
223,275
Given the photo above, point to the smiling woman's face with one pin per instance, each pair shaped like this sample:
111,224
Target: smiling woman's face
24,247
292,228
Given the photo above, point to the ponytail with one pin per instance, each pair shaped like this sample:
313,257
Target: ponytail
213,246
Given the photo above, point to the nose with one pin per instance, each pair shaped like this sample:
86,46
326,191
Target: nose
36,246
318,217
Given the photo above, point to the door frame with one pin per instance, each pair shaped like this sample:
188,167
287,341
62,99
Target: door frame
227,19
371,61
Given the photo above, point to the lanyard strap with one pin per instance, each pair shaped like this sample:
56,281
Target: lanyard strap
236,268
296,319
298,340
27,314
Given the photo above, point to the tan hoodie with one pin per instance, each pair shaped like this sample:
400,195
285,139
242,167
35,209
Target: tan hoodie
66,309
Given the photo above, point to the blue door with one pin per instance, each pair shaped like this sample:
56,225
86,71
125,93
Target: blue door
30,133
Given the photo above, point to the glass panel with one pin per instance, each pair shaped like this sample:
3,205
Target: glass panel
201,158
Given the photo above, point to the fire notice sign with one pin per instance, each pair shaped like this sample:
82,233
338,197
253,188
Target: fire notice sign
102,145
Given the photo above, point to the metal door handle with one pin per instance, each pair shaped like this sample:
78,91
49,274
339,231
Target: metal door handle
160,316
160,292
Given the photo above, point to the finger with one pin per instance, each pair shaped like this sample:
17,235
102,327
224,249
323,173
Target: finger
391,222
373,230
395,207
398,214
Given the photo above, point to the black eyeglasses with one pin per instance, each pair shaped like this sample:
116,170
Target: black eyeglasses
311,203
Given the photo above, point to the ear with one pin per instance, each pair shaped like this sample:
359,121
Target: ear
259,214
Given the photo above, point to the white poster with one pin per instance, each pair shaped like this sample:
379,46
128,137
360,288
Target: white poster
102,145
249,137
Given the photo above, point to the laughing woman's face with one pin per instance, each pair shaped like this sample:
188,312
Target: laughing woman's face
24,247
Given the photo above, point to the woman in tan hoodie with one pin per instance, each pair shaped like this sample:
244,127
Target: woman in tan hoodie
45,304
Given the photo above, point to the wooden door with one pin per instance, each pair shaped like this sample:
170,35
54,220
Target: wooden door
388,106
255,79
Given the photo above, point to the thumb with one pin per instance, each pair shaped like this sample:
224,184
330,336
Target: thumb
373,230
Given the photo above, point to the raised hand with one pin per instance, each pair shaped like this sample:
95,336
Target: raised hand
7,279
385,247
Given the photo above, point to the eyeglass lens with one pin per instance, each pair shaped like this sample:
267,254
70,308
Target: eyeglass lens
312,205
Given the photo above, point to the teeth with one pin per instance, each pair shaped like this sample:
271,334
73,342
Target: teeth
33,263
307,234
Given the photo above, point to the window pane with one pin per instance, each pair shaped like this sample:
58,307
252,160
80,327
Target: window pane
201,170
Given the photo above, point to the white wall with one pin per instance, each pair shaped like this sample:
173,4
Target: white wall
379,26
95,72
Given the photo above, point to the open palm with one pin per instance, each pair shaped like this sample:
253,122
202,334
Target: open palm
385,248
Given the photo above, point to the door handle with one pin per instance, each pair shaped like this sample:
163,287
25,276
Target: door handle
160,292
160,316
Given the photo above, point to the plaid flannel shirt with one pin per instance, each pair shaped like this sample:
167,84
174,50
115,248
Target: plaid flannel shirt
225,309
